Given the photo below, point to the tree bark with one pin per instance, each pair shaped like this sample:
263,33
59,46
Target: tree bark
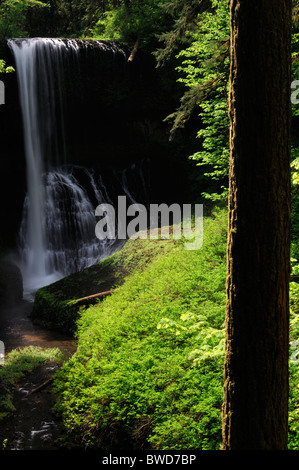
255,406
134,51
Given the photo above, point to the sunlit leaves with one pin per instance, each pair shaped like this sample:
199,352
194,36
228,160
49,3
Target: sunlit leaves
4,68
204,68
133,366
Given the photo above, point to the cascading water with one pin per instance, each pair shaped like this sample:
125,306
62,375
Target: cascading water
68,229
57,234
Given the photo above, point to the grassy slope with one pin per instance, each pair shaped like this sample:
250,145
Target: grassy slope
55,305
148,369
136,379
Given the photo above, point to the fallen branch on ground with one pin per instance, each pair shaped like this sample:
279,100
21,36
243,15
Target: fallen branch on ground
40,387
94,296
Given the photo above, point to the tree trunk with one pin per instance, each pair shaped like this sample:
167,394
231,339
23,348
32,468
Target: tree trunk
134,51
255,406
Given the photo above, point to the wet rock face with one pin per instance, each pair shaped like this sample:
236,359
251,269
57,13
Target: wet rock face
11,283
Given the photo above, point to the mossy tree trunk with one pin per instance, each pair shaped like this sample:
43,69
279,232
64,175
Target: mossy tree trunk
255,407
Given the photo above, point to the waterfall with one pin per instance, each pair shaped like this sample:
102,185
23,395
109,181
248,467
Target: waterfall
57,234
68,228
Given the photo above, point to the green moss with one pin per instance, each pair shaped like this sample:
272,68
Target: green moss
137,378
148,368
55,306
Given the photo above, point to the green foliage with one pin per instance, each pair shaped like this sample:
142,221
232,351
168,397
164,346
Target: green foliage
4,68
139,383
185,15
294,365
13,17
24,360
148,368
132,20
295,168
295,207
149,364
204,70
210,340
294,407
136,382
57,306
54,312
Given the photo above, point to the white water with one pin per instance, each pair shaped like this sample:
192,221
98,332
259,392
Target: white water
57,232
68,227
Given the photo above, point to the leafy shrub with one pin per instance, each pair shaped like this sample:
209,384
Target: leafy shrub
148,369
134,383
58,305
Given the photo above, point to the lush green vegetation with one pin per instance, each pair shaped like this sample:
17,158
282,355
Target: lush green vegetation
14,15
58,305
149,361
4,68
147,372
188,37
148,369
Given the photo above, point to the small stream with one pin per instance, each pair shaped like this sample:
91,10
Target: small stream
32,426
17,330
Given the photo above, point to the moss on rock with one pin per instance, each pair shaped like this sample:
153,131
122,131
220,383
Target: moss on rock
56,307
